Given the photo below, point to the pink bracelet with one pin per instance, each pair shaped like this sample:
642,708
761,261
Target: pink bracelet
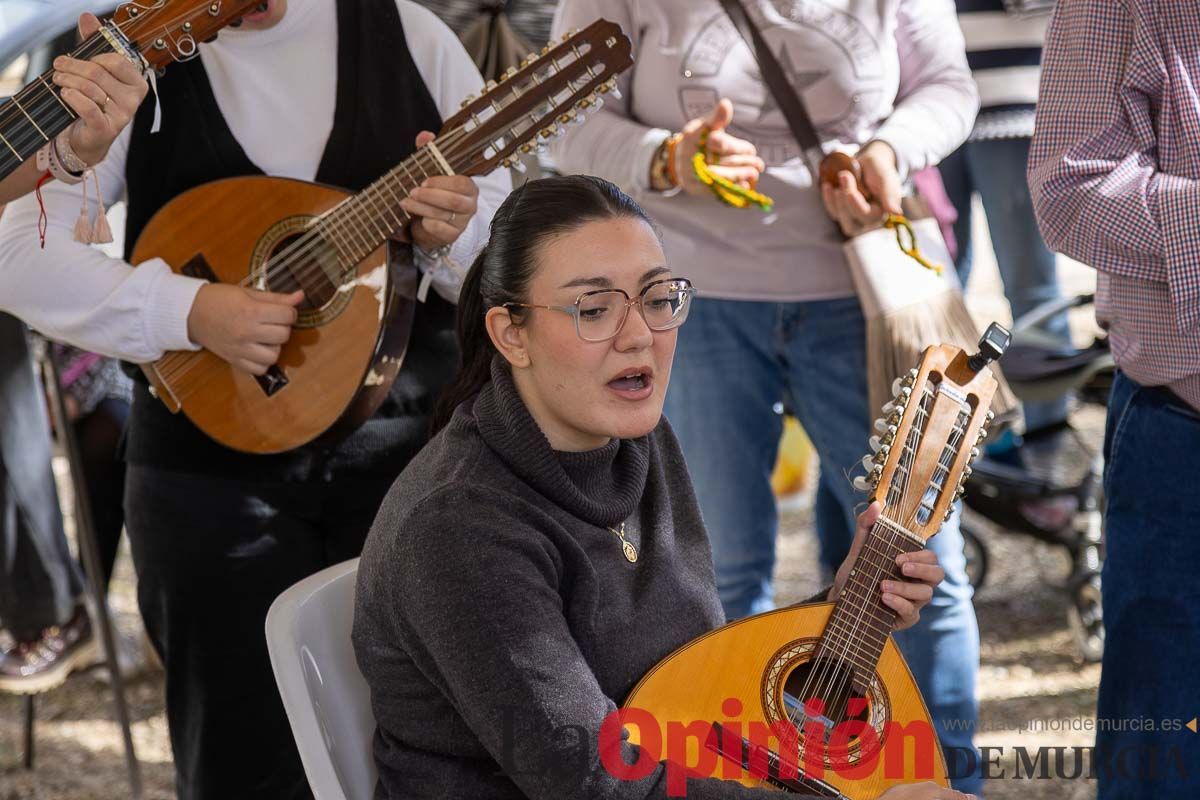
48,161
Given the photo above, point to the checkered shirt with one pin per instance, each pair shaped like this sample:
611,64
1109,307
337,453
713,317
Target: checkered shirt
1115,174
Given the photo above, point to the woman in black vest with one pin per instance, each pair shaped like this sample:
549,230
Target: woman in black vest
545,549
335,91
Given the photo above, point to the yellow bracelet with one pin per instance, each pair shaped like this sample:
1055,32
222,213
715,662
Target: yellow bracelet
726,191
901,226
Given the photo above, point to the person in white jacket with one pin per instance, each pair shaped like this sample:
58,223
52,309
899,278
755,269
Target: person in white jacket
776,321
41,587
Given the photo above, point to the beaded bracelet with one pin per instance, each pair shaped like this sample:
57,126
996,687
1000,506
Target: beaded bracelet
671,146
62,145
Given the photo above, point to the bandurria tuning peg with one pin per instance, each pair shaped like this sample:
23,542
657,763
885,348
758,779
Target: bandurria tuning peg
992,345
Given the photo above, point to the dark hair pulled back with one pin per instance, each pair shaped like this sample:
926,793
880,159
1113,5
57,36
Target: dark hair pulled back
533,214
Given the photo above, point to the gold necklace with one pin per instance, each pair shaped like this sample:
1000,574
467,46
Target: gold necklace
631,553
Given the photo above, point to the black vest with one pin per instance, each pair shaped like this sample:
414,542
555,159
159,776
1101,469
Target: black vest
382,104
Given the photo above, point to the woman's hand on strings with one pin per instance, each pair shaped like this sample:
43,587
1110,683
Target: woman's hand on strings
858,207
730,157
441,207
906,597
104,92
246,327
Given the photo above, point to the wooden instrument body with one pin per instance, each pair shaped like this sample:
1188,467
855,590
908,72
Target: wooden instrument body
751,661
341,358
817,698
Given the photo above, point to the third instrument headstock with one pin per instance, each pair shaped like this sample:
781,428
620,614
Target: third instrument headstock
930,432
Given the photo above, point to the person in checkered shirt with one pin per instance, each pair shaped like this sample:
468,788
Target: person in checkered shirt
1114,171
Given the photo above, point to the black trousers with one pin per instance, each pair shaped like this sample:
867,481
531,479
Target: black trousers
212,554
99,434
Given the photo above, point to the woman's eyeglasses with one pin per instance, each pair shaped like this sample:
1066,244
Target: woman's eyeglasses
599,314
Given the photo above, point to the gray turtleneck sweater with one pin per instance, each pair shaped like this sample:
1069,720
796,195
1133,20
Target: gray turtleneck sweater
498,621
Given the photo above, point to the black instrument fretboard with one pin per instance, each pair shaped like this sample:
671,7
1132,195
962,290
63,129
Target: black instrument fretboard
860,623
36,114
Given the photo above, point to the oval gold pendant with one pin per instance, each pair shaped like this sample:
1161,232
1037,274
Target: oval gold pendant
630,552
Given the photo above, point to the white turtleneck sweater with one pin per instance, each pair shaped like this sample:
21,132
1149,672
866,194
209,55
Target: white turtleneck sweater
277,91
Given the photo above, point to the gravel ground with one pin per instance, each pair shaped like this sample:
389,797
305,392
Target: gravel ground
1030,672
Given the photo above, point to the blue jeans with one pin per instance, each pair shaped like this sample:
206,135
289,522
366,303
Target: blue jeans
1151,598
734,361
995,169
39,580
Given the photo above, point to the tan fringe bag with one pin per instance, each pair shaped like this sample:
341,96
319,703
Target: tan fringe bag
909,305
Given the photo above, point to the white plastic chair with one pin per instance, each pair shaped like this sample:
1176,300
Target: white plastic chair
325,695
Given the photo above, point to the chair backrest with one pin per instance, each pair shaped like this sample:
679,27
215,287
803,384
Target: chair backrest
326,698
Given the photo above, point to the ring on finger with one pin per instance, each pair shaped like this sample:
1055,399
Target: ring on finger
453,216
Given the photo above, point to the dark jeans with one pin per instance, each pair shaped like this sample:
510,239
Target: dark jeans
212,555
39,581
1151,598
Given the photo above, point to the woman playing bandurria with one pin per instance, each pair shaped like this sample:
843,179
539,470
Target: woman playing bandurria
545,549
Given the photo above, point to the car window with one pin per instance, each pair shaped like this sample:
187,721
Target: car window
17,12
12,77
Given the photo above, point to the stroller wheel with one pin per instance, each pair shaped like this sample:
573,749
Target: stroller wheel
1086,617
977,556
